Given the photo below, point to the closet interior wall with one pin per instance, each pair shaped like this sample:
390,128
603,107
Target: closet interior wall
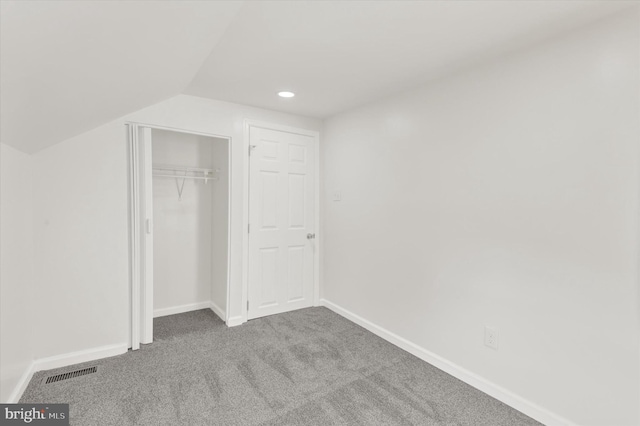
190,225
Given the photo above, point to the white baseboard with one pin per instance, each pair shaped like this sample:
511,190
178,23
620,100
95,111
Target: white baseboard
501,394
63,360
93,354
234,321
22,384
181,309
79,356
218,310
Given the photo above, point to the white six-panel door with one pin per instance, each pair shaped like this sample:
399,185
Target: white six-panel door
281,222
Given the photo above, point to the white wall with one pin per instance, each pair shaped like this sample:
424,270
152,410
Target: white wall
81,194
182,240
505,195
17,313
81,240
220,214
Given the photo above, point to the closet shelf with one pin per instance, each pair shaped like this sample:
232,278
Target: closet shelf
182,172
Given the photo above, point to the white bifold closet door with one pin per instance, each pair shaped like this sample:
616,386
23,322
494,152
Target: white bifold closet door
142,291
147,226
281,222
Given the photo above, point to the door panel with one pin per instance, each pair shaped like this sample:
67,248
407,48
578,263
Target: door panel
269,199
146,336
281,214
297,189
296,273
268,276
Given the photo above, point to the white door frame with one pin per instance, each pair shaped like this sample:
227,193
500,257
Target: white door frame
248,124
140,327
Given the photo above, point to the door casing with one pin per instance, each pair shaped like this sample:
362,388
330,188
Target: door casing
140,290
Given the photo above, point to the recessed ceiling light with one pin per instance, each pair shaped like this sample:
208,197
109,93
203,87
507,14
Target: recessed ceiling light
286,94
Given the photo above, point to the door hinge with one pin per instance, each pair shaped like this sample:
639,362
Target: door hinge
251,148
248,228
247,305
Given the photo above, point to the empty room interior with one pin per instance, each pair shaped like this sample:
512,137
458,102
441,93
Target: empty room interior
320,212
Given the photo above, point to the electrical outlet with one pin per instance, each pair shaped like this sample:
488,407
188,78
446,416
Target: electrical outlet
337,195
491,337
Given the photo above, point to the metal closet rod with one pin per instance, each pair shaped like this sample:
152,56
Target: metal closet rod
182,168
186,177
207,174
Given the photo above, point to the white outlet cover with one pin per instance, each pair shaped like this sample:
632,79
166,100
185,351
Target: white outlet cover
337,196
491,337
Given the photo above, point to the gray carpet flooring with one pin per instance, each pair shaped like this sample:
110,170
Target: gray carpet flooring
308,367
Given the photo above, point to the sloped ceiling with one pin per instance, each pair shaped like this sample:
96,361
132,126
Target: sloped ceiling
69,66
339,54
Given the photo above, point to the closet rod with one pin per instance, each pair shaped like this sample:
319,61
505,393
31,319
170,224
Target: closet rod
186,177
169,167
197,173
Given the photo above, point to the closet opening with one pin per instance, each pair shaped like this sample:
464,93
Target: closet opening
179,226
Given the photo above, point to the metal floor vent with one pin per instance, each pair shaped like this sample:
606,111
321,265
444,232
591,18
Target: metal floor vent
71,375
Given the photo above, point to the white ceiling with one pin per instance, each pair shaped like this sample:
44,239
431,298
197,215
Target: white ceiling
339,54
69,66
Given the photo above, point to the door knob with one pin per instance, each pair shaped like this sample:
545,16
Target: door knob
311,236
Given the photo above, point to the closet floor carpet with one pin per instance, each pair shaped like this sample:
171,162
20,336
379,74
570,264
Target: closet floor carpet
307,367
